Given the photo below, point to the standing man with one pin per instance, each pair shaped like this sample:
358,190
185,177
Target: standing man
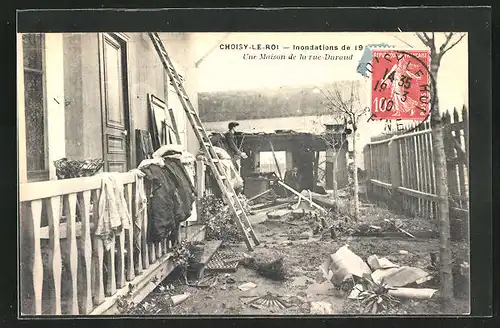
232,149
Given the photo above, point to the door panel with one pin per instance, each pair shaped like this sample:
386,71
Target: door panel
115,112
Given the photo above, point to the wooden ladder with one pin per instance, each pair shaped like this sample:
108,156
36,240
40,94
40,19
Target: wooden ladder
216,166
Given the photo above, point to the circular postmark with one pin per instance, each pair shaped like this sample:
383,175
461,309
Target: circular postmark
402,85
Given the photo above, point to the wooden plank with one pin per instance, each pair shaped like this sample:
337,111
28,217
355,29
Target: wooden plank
144,240
130,269
159,250
36,260
86,250
381,184
110,262
408,173
174,126
418,158
426,172
136,231
51,188
417,194
301,196
120,260
55,261
152,253
276,160
63,230
72,252
97,256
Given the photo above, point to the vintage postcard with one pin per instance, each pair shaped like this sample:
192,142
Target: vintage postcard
169,174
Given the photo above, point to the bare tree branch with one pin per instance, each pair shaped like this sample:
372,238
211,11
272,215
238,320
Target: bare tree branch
445,43
442,52
426,40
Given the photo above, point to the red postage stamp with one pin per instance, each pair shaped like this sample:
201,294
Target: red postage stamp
401,84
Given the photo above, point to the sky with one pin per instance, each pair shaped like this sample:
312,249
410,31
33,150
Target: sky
223,70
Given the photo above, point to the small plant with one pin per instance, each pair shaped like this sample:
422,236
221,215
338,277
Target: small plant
219,220
375,297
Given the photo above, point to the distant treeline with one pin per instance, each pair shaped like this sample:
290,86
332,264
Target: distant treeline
259,104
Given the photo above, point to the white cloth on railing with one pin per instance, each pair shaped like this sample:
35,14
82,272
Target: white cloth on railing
185,157
151,161
141,203
166,148
113,212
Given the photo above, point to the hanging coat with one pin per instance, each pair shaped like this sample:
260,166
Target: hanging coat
164,203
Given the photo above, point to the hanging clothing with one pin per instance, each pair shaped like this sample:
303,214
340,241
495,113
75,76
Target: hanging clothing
151,161
141,203
163,203
113,210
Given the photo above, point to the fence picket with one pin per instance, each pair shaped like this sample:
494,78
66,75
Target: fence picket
72,252
417,165
55,260
144,241
86,250
36,264
130,233
97,255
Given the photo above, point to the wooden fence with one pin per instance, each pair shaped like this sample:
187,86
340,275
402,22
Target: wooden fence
402,171
66,269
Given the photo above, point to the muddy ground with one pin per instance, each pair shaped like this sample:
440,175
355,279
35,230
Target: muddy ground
305,282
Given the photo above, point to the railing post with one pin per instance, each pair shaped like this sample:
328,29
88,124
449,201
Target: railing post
395,169
200,184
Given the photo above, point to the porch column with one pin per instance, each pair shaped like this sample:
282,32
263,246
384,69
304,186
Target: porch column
21,124
55,100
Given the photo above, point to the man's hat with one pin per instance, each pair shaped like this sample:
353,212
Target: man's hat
232,125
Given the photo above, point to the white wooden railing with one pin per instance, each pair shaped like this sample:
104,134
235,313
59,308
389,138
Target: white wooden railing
65,269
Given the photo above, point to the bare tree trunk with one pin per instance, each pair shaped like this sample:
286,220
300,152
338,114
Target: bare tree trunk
446,277
355,178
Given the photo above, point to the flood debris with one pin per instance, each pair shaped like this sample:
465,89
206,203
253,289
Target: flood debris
271,269
247,286
279,214
177,299
344,265
321,308
413,293
400,277
269,300
378,290
380,263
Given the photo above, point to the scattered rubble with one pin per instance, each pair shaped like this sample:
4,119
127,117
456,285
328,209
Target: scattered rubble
321,308
247,286
177,299
273,269
269,300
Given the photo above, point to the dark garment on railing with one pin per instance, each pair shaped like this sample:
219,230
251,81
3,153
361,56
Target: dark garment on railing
184,186
170,199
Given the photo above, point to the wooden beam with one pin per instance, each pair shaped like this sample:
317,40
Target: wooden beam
313,204
276,160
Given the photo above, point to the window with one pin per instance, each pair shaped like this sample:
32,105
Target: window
268,163
34,103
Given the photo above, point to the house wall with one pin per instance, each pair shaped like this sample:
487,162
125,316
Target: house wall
145,75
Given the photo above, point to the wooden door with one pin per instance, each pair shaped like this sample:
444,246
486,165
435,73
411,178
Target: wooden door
114,97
